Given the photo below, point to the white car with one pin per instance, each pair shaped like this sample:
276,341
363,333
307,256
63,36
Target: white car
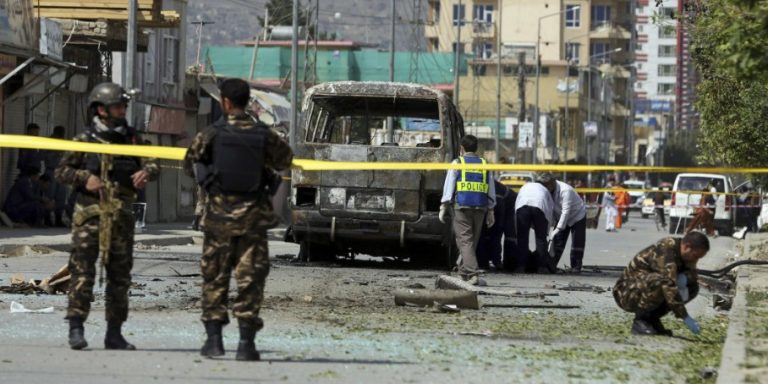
637,196
686,194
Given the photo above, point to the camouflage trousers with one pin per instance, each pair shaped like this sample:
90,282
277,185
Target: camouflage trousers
249,257
645,293
83,264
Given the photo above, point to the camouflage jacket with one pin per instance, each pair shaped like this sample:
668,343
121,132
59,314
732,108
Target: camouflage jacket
72,171
234,215
664,258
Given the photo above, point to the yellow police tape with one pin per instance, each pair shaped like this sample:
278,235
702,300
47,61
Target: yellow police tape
175,153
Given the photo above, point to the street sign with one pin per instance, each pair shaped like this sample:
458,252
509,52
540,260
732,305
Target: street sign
590,129
525,135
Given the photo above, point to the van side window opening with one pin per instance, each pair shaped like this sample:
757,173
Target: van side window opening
363,121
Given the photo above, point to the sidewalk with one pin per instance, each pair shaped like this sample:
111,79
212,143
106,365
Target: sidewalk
745,353
161,234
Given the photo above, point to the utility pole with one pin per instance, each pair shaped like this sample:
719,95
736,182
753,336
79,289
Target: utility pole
457,56
390,120
294,75
497,135
520,92
131,55
266,24
200,24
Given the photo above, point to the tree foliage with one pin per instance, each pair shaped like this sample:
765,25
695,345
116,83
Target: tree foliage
731,57
281,13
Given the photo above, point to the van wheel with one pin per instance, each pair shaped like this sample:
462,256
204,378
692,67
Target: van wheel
727,231
309,252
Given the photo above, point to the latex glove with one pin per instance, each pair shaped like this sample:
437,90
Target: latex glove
553,234
490,219
682,286
692,325
443,213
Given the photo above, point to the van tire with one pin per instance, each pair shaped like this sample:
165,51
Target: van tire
310,252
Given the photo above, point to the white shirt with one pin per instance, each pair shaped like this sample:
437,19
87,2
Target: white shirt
449,188
568,205
535,195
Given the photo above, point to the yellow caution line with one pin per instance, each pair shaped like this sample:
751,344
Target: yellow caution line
175,153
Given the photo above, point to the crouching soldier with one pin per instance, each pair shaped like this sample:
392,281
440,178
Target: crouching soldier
660,279
232,160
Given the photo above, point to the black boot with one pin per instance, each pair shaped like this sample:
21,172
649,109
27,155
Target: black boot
659,327
214,344
114,338
77,334
642,327
246,348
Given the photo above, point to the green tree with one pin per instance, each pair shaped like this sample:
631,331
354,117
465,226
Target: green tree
281,13
731,58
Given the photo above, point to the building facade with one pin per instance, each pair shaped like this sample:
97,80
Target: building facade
586,53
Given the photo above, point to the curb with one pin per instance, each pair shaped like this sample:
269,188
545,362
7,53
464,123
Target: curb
734,353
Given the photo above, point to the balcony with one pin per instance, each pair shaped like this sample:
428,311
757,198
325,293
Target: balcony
483,29
610,30
432,30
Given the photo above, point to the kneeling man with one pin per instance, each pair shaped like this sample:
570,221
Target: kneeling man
660,279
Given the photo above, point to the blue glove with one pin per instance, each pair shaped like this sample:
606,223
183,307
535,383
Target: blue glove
682,286
692,325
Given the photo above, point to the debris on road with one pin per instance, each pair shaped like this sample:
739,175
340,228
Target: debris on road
582,287
427,297
455,283
179,274
18,308
447,308
544,306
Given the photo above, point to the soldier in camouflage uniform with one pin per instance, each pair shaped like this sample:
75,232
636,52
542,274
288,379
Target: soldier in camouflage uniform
232,161
107,108
660,279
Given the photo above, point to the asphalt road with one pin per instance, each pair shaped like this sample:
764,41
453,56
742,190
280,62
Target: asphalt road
337,323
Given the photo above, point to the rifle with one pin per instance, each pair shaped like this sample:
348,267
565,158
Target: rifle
109,207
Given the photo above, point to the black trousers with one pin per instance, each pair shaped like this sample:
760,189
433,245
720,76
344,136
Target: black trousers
579,231
531,217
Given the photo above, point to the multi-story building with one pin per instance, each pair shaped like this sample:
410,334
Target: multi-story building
657,70
586,51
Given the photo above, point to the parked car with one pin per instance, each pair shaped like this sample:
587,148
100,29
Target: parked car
636,193
378,213
686,194
649,205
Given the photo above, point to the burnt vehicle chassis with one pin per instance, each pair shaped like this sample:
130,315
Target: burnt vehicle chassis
377,213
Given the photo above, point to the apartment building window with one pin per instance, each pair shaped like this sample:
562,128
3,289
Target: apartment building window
599,50
667,51
639,47
667,69
453,47
572,16
171,62
435,10
483,50
435,44
484,12
459,14
601,14
572,51
666,88
512,50
668,13
667,32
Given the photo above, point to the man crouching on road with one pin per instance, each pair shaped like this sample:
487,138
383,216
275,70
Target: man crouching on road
660,279
475,196
230,160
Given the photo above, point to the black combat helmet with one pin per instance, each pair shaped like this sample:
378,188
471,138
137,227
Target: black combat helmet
107,94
